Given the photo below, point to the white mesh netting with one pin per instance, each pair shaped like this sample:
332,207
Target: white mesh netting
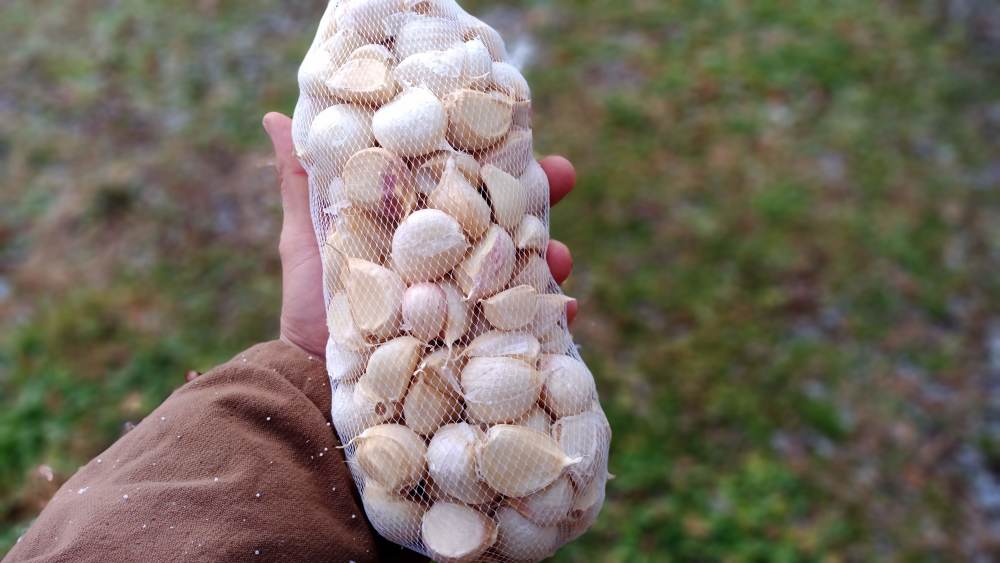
472,426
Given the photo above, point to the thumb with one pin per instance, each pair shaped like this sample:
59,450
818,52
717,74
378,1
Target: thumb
292,177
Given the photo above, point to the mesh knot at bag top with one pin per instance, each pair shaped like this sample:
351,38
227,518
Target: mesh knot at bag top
472,426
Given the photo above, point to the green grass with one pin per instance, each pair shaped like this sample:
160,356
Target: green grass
786,271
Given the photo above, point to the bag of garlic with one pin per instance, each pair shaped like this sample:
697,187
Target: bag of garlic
470,423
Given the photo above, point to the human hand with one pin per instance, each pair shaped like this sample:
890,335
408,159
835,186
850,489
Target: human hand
303,318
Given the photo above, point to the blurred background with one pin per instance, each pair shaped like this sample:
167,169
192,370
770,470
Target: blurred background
786,231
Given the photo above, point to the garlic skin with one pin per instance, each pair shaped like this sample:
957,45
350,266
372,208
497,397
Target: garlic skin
427,245
440,72
425,309
556,340
366,17
499,389
507,79
487,269
390,369
550,505
585,436
551,310
496,344
422,34
375,179
363,80
393,516
426,408
374,51
518,461
451,463
507,196
476,120
343,363
534,271
376,297
459,313
456,533
489,36
442,368
392,455
536,419
514,155
352,412
456,196
531,234
536,186
478,63
512,308
336,133
340,323
431,169
585,509
412,124
350,244
523,540
569,387
334,266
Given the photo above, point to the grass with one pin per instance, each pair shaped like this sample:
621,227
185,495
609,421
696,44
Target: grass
784,271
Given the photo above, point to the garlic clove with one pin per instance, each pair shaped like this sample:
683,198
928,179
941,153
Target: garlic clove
366,17
412,124
306,110
514,154
507,196
390,369
531,234
487,269
522,114
343,363
334,266
340,46
551,310
550,505
533,271
422,34
536,419
427,245
536,185
497,344
456,533
556,340
507,79
442,367
440,72
425,309
363,81
512,308
352,412
337,133
376,179
348,241
476,120
489,36
374,51
586,436
569,387
585,510
478,63
429,171
376,296
518,461
392,455
499,389
521,539
426,408
341,325
451,463
459,313
457,197
394,517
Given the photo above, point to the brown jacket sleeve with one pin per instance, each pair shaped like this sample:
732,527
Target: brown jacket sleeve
238,465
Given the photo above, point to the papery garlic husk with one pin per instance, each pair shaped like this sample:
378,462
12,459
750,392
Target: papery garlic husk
536,186
376,179
422,34
426,408
489,36
368,16
455,533
478,64
412,124
533,270
496,344
586,436
425,309
343,363
442,368
451,463
556,340
440,72
376,296
476,120
531,234
521,539
334,266
548,506
487,269
518,461
337,133
392,455
363,81
512,308
569,387
429,171
427,245
457,197
393,516
510,81
352,412
340,323
536,419
499,389
585,509
390,369
514,154
507,196
459,313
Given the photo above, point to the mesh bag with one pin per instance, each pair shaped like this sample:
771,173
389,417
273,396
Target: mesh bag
472,427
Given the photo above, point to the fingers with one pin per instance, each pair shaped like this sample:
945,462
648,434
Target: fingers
562,177
560,260
294,182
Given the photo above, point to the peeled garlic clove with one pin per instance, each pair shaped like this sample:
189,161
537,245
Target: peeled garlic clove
459,313
476,120
507,79
531,234
427,245
507,196
456,533
548,506
338,132
586,436
366,17
376,297
363,80
496,344
393,516
514,154
375,179
426,408
569,387
487,269
352,412
442,367
451,463
512,308
523,540
374,51
556,340
412,124
422,34
536,185
392,455
440,72
425,309
341,324
534,271
343,363
518,461
499,389
457,197
489,36
429,172
478,64
536,419
390,369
